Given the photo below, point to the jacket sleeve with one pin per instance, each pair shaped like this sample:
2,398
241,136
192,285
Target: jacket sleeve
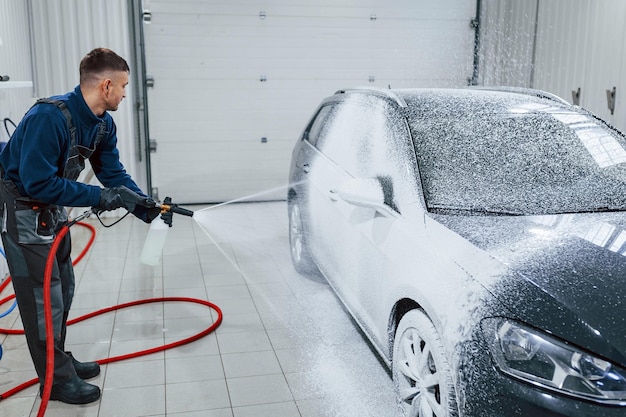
44,145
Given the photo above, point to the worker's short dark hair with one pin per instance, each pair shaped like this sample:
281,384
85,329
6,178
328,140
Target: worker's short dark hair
98,61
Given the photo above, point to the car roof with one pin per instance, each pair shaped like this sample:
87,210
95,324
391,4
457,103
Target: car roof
470,99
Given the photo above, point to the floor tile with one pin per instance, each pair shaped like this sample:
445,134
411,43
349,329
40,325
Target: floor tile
133,401
243,342
253,390
194,368
250,364
286,409
249,322
131,373
197,396
223,412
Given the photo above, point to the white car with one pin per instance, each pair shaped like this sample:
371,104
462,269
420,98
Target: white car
478,238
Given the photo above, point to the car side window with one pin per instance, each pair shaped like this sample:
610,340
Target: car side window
393,161
312,133
347,140
369,138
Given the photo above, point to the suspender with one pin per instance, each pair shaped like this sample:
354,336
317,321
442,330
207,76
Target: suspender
70,124
77,153
68,116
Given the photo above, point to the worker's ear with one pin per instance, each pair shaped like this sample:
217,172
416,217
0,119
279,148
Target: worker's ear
106,86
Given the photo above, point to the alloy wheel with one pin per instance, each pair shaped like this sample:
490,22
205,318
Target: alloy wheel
420,371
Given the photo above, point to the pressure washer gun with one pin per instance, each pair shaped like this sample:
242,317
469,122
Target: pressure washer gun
168,209
132,199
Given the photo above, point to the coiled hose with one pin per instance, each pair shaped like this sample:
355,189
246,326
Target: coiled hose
45,396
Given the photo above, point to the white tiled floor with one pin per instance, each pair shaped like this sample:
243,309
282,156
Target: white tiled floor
285,348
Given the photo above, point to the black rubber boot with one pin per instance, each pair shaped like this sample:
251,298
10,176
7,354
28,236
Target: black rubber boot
85,370
74,391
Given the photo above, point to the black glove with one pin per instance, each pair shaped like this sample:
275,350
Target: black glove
149,210
152,213
110,199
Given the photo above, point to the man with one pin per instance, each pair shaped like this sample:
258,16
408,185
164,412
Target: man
40,166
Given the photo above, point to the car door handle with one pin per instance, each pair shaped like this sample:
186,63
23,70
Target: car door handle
332,194
306,168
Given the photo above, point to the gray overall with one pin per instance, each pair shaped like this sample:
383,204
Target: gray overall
28,230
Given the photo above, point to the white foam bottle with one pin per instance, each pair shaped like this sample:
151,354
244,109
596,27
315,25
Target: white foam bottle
155,241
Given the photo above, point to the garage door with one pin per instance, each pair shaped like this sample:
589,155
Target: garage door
236,81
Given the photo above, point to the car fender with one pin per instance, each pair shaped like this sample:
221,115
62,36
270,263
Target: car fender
434,281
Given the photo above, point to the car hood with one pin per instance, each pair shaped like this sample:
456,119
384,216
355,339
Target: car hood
563,273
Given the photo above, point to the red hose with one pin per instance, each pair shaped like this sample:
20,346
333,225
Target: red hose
47,310
49,331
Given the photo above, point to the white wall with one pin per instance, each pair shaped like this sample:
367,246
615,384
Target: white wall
15,61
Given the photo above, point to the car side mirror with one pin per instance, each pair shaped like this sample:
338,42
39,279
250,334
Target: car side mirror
365,192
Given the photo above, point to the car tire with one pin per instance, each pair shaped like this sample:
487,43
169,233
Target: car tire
421,374
300,256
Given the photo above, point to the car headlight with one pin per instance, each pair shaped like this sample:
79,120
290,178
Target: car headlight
536,357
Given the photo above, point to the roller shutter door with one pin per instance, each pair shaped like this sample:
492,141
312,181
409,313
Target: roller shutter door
236,81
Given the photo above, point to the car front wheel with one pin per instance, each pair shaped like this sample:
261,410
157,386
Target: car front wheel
302,261
421,373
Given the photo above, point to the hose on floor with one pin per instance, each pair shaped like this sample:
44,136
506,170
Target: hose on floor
45,396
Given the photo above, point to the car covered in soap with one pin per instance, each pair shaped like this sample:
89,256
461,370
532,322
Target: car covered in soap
478,238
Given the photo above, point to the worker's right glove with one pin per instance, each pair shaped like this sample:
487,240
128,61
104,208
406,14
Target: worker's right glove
110,199
152,213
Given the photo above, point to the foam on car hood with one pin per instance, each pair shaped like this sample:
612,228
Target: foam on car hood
565,274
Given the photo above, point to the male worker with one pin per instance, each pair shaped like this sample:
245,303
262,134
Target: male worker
40,166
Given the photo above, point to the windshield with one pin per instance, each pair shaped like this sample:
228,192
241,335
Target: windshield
523,161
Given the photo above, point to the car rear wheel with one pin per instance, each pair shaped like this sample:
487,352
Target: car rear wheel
421,372
300,256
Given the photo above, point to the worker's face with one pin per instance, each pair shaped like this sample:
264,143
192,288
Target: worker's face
114,89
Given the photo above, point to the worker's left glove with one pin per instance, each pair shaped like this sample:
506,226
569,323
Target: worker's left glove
110,199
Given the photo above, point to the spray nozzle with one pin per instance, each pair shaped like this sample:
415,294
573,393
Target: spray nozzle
175,209
168,209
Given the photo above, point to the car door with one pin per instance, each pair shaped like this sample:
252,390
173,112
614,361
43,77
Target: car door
316,172
331,236
391,219
353,260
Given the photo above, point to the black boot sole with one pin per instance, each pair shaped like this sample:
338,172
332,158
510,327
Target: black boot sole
92,397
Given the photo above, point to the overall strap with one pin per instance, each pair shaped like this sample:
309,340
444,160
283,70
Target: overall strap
102,131
68,116
77,153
